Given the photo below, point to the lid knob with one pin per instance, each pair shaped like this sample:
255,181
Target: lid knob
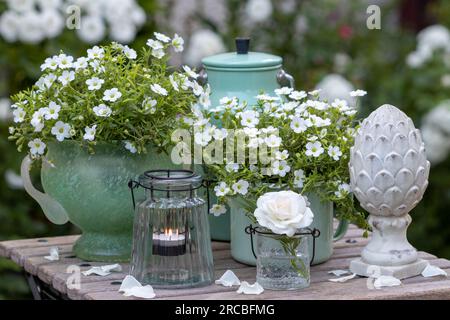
242,45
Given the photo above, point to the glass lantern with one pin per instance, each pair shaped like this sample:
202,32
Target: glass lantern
171,240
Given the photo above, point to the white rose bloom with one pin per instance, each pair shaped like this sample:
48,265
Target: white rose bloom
258,10
9,26
283,212
203,43
92,29
335,86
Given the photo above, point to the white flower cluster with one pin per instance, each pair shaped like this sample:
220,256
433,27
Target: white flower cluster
436,133
33,21
430,40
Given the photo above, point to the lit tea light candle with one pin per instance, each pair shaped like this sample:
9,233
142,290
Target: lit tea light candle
169,243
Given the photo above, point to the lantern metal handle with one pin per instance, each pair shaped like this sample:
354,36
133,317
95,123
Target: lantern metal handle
284,78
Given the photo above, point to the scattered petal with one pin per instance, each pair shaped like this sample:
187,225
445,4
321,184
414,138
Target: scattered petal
432,271
131,287
386,281
54,254
247,288
343,279
339,272
103,270
228,279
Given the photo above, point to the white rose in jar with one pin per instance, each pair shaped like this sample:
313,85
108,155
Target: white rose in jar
283,212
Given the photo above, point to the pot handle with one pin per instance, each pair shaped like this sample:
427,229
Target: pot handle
52,209
285,79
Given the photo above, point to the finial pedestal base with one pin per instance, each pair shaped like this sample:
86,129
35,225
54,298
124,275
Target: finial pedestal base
364,269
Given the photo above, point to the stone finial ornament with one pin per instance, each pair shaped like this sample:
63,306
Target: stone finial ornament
389,174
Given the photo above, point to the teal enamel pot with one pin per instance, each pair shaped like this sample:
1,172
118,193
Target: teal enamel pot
91,191
244,75
241,249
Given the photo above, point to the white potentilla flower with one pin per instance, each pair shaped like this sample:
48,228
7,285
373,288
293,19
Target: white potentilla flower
318,121
48,80
97,66
37,121
149,104
203,43
258,10
156,88
267,98
299,125
162,37
358,93
314,149
280,168
53,22
273,141
240,187
283,212
299,177
50,63
218,210
271,107
229,103
251,132
202,138
102,111
95,53
10,25
177,43
340,104
89,133
314,93
94,83
61,130
37,147
19,115
191,73
196,88
222,189
312,138
81,63
298,95
158,54
174,83
154,44
129,53
52,111
65,61
232,167
282,155
249,118
112,95
220,134
343,190
269,130
334,152
66,77
130,146
92,29
284,91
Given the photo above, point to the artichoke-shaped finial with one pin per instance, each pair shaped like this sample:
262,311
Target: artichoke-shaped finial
389,175
388,166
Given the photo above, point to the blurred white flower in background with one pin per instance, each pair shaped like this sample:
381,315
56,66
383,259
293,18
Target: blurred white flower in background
33,21
5,110
429,40
334,86
436,132
203,43
258,10
13,180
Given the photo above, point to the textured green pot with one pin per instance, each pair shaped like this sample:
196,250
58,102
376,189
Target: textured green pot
241,249
92,191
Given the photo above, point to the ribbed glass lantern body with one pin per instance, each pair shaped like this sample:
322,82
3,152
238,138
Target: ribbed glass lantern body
282,265
171,243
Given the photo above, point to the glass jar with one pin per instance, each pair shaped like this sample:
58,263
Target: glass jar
171,241
282,263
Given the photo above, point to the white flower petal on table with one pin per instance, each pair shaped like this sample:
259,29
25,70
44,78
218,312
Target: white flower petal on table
432,271
247,288
386,281
54,254
131,287
339,272
343,279
228,279
103,270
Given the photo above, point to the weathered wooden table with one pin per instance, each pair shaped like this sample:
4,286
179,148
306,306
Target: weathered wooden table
49,278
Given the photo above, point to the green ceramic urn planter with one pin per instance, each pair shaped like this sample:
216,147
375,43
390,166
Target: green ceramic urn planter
90,190
244,75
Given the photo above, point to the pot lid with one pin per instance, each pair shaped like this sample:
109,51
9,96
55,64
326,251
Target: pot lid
242,58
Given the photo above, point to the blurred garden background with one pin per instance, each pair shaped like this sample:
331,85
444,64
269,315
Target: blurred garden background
324,43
